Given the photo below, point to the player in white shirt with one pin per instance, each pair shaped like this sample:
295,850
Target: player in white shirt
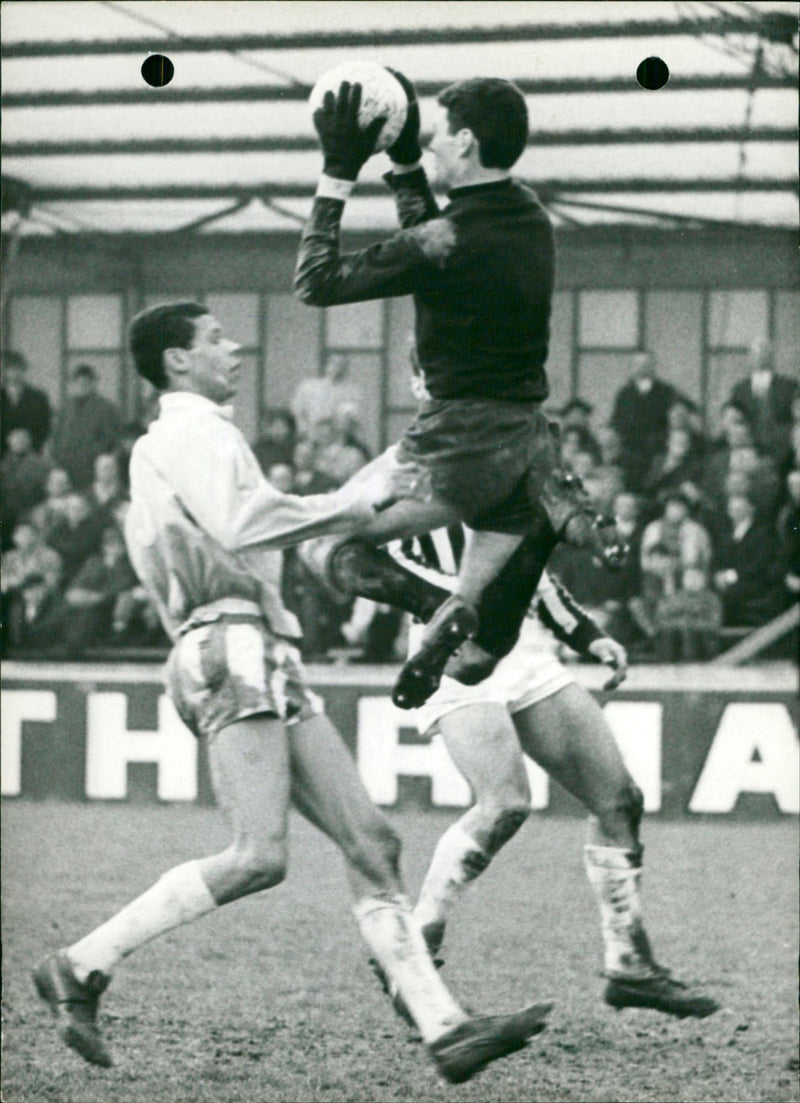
203,531
531,705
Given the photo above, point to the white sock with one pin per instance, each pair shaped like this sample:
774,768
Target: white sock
457,861
178,897
615,875
389,930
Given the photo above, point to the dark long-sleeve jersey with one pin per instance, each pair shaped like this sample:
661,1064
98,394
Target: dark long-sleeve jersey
481,272
438,556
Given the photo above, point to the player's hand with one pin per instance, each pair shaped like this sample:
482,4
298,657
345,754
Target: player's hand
345,146
612,654
406,150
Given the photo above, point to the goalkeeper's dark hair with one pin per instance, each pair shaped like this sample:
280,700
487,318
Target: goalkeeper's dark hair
162,327
496,113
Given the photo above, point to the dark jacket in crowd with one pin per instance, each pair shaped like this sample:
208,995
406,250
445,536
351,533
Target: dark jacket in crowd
756,597
640,419
31,411
85,428
769,414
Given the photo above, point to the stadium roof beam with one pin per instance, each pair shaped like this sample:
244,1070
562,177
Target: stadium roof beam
780,27
425,88
307,143
50,193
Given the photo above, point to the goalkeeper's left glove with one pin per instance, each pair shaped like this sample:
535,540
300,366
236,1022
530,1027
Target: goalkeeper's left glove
345,146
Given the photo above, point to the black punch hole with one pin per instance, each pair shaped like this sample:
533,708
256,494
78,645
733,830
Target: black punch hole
158,70
652,73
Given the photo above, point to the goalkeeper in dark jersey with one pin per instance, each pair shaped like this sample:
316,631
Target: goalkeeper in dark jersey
481,273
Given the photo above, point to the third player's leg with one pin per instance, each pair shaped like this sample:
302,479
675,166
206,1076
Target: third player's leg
484,746
568,736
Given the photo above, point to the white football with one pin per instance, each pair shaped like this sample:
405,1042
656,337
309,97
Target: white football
381,94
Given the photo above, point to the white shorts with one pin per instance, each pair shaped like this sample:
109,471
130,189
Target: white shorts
528,674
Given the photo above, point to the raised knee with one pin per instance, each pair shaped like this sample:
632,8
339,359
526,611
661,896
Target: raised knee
506,823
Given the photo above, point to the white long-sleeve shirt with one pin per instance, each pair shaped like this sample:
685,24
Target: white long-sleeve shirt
205,525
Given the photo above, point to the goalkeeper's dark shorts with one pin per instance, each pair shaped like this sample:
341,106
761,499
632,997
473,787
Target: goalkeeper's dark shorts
488,458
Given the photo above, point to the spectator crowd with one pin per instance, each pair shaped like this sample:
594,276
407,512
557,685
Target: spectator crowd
713,524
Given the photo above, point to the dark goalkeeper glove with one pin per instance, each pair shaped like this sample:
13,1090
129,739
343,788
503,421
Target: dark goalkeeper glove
345,146
406,148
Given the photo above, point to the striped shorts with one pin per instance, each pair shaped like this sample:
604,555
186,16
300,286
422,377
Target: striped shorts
233,668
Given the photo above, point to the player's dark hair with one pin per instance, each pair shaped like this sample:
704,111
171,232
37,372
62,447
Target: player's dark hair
162,327
496,113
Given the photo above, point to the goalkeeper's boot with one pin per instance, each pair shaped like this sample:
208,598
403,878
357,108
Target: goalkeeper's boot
74,1003
455,621
660,992
476,1042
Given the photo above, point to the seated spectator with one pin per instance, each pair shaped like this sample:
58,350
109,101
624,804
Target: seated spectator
766,400
130,433
281,476
107,488
37,621
335,458
671,546
78,535
374,629
685,414
789,538
29,556
277,439
747,567
640,413
348,429
100,597
678,464
319,397
24,475
575,439
22,406
307,478
87,426
736,453
53,510
687,621
576,414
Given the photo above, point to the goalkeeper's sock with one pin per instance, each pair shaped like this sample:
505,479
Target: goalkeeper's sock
615,875
457,860
389,929
178,897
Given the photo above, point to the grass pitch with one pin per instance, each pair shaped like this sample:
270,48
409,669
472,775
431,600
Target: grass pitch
270,999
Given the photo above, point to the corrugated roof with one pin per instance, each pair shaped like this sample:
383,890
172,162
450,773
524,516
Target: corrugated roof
231,135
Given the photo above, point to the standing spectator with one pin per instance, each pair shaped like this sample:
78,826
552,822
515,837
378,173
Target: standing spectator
748,567
21,405
277,440
24,476
320,397
640,414
766,398
78,535
85,427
